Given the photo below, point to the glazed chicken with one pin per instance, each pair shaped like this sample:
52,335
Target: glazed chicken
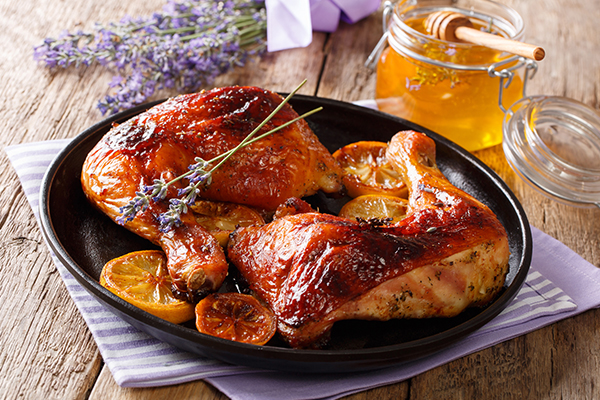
163,141
313,269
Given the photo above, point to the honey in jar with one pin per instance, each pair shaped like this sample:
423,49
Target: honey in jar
453,89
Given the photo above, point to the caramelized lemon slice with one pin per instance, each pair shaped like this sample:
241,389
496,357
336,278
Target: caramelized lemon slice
375,206
367,171
141,278
220,218
235,316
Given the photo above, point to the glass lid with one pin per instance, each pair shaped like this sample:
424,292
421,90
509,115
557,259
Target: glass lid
553,143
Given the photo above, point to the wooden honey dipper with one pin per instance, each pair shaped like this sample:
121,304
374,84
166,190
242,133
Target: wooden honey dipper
455,27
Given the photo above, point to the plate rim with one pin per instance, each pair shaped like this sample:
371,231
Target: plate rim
384,355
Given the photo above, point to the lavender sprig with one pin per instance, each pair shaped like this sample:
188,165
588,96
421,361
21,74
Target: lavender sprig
128,212
184,47
172,218
198,175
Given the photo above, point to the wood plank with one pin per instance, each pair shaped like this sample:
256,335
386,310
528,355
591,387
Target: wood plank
38,356
47,104
282,71
345,76
509,370
396,392
107,388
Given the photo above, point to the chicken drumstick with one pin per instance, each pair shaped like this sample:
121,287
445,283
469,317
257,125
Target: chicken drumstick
314,269
164,141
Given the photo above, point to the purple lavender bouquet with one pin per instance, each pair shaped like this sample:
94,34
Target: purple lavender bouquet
184,47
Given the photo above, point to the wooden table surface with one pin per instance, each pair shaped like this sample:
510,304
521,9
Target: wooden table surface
46,350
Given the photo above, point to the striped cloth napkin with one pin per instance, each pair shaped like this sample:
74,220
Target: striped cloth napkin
136,359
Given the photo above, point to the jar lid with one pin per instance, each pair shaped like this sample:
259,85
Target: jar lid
553,143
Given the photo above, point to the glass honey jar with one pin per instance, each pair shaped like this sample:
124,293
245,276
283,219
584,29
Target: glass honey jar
458,90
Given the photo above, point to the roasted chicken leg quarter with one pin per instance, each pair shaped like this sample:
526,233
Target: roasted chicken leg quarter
164,141
313,269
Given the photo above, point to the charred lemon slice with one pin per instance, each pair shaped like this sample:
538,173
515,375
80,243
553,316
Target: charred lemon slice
375,206
220,218
367,170
235,316
141,278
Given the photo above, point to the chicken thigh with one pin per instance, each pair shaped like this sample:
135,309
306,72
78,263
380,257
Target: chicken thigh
313,269
164,141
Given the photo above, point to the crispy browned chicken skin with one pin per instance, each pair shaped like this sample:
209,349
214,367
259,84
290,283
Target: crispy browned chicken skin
313,269
163,141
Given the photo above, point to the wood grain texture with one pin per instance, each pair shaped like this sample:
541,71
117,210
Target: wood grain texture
38,358
300,64
46,350
107,388
344,75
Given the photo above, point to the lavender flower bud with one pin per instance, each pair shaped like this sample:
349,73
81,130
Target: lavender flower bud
172,218
128,212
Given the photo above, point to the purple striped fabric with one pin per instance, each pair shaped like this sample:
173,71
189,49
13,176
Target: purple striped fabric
134,358
138,360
